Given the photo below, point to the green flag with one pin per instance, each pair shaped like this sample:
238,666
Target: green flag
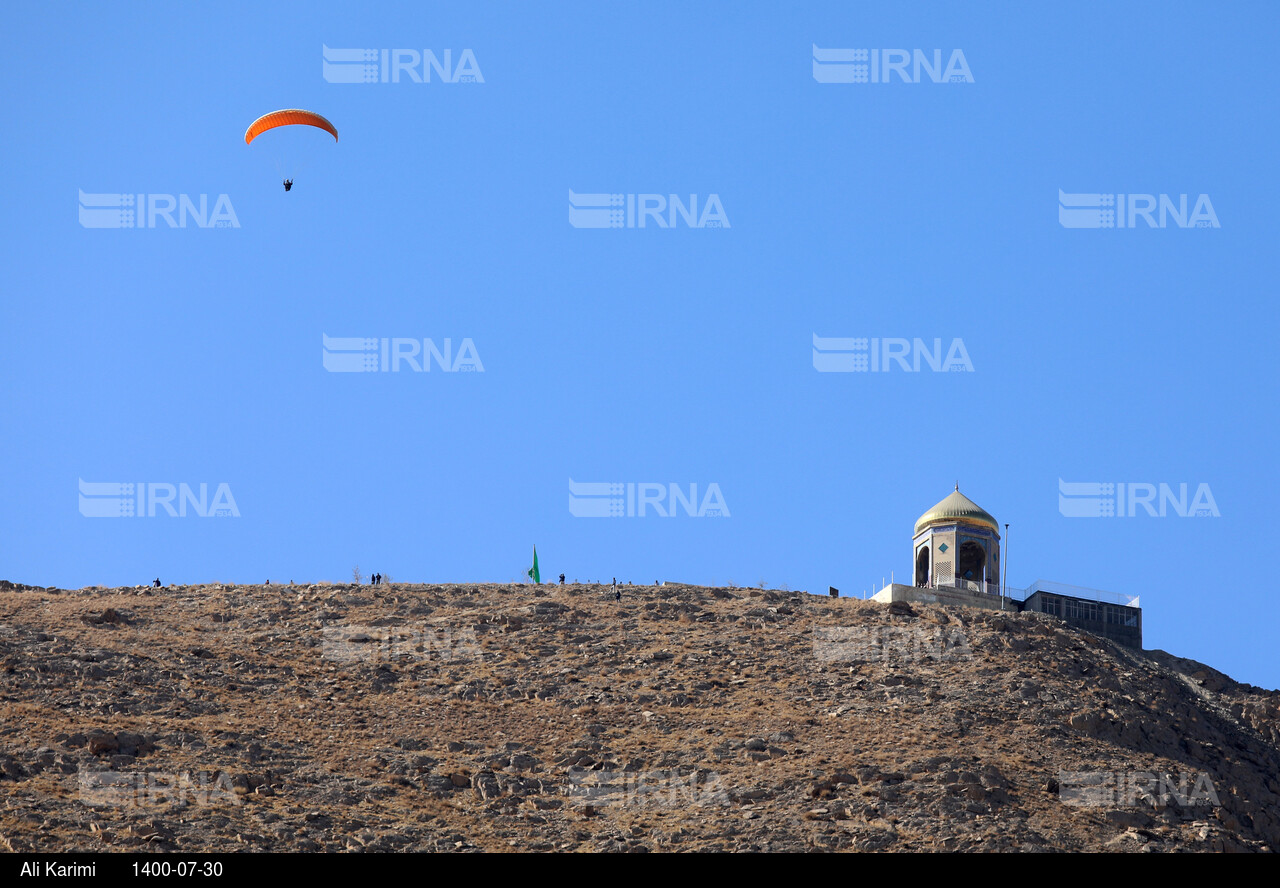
533,571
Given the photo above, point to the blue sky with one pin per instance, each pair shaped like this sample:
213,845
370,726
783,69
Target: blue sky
670,355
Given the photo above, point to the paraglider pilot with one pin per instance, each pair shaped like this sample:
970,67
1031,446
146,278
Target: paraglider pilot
288,183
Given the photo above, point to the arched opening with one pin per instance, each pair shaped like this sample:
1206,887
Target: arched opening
970,561
922,566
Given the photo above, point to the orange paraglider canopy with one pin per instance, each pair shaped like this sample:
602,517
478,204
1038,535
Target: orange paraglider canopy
288,117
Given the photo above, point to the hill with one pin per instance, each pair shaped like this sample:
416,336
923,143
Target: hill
518,717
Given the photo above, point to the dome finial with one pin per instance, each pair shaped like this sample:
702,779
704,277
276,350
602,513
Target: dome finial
957,485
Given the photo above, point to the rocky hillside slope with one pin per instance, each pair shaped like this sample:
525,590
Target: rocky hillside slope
488,717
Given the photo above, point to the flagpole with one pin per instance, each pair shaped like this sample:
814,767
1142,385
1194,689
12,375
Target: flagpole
533,573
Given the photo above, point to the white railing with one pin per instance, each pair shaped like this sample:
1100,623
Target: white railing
993,588
1080,592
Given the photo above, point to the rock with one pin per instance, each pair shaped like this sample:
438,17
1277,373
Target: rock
102,743
1086,721
439,785
110,616
1127,818
874,840
486,785
991,777
129,743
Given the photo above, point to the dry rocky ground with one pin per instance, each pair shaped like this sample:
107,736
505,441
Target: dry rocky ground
335,717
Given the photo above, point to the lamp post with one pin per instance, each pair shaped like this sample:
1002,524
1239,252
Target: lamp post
1004,588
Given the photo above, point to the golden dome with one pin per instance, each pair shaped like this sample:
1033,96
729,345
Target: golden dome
957,509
